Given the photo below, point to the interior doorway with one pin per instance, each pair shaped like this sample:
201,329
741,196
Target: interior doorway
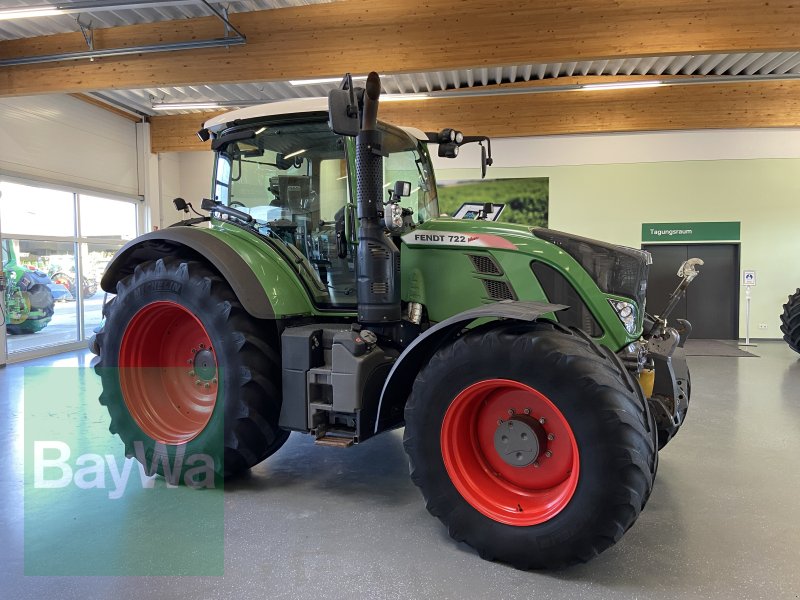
711,303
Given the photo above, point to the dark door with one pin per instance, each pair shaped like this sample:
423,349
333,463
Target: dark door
712,300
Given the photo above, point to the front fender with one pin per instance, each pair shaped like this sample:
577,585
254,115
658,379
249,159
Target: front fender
401,378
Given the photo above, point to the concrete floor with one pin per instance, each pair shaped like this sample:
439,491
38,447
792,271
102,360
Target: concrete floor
316,522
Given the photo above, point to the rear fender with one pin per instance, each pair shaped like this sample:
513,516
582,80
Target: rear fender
270,294
404,371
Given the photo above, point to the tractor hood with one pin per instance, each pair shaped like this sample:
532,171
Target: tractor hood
615,269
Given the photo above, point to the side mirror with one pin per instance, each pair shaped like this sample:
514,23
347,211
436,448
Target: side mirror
343,108
483,163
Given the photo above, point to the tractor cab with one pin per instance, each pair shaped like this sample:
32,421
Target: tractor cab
293,178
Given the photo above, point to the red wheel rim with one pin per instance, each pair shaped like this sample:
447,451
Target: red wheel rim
168,372
510,494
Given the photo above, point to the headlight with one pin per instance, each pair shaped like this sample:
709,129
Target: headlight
626,311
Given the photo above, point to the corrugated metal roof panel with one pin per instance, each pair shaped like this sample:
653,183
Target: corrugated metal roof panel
773,63
24,28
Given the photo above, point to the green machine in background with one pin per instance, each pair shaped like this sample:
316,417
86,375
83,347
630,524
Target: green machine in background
29,301
324,294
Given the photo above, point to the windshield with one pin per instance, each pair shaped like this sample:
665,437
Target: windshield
293,179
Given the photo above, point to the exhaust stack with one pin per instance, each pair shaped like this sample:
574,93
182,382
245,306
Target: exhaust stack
378,259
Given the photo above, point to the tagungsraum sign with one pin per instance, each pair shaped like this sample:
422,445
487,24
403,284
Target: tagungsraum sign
704,231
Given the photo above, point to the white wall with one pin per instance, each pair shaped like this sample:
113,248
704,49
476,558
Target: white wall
63,140
169,187
606,186
187,175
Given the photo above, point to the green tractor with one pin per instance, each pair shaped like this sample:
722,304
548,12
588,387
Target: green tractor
790,321
28,297
316,298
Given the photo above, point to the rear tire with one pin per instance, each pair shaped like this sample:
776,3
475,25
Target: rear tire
563,508
186,371
790,321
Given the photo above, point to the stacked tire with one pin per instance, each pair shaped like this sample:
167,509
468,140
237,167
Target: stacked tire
790,321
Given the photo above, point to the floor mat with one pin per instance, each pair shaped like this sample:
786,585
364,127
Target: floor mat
715,348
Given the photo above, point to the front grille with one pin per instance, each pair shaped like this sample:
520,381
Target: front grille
615,269
560,291
381,288
485,265
498,290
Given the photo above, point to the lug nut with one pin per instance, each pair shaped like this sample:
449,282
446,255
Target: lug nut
542,421
198,382
208,385
194,350
551,436
214,380
191,373
548,454
510,411
499,421
527,411
202,346
536,464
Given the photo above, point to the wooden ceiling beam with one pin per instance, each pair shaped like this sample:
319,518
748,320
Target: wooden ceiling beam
405,36
680,107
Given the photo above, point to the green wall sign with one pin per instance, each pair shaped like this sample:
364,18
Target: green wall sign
709,231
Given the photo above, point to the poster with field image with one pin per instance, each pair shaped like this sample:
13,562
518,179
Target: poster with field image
526,199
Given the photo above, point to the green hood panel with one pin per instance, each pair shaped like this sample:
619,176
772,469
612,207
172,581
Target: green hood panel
442,269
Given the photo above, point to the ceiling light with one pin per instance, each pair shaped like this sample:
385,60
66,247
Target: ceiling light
403,97
28,12
186,106
621,85
297,82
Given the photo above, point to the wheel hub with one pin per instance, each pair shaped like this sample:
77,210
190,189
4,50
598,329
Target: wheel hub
520,440
205,365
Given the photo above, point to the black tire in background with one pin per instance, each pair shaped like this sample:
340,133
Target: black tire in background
41,300
243,366
790,321
613,433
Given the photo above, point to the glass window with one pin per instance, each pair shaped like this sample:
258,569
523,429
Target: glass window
26,209
94,258
405,163
40,295
106,218
49,292
293,180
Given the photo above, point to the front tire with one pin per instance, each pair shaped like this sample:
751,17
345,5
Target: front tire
565,490
187,372
790,321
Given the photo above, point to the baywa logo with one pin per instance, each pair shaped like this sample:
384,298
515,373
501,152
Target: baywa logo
52,469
